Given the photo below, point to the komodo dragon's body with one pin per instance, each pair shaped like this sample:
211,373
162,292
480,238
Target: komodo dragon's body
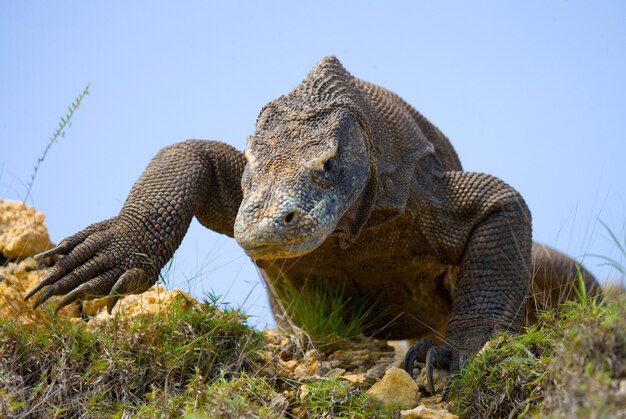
343,183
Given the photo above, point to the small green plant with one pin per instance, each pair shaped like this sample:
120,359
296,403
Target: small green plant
326,314
226,397
331,398
64,123
621,248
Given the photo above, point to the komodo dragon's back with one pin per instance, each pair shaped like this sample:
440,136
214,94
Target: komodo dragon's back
400,111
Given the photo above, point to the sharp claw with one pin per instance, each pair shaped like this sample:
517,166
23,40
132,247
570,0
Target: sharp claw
44,281
446,389
74,295
131,281
112,301
417,352
409,359
32,292
118,289
430,367
43,297
54,251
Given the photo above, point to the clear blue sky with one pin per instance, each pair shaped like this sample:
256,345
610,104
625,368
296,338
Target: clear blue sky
532,92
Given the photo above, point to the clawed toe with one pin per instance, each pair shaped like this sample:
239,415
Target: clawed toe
46,280
58,250
426,352
417,354
437,357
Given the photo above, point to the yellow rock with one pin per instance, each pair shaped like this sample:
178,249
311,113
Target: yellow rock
268,363
289,365
93,307
301,371
154,301
16,279
275,338
354,378
488,345
440,379
304,392
22,231
423,412
335,373
23,234
313,367
396,388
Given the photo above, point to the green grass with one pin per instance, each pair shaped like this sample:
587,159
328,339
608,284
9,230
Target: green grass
63,366
337,398
566,366
620,245
193,362
235,396
329,317
257,397
505,378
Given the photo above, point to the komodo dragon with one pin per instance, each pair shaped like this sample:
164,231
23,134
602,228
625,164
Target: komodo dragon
342,183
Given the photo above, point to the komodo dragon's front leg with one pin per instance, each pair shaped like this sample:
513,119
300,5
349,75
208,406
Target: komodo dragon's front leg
484,226
124,254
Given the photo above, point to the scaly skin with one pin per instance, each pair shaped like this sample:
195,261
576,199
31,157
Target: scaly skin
346,184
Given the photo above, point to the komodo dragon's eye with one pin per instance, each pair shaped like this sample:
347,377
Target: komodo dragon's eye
329,164
324,166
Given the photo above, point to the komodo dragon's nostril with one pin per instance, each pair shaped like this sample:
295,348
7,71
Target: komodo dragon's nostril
290,218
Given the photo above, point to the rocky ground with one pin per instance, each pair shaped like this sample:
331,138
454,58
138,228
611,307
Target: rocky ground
367,365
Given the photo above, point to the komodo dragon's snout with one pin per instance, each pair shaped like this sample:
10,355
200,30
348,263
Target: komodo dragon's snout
300,179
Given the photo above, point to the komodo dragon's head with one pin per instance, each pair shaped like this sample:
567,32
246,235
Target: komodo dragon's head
308,168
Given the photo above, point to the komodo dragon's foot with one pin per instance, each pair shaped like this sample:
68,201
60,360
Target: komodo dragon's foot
425,351
106,258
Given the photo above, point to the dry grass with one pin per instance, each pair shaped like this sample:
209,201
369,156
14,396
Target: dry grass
63,367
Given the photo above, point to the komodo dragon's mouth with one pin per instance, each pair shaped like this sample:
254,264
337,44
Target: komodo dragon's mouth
270,240
282,251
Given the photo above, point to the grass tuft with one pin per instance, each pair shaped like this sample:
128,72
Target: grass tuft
64,366
621,249
329,317
329,398
569,365
505,378
239,396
